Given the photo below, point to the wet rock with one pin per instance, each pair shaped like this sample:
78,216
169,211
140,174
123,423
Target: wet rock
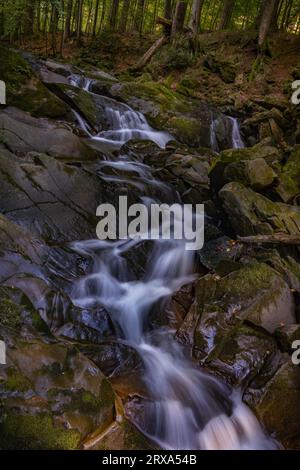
254,293
187,172
247,353
49,197
22,133
278,404
113,358
240,165
51,395
120,436
253,214
25,90
286,335
187,119
219,253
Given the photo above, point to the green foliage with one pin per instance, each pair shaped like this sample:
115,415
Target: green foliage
174,56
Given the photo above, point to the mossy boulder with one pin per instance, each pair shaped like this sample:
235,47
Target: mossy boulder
289,177
25,90
52,396
278,404
254,293
224,68
38,432
187,119
251,213
251,166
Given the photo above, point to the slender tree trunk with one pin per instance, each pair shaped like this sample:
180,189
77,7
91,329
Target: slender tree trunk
53,27
103,11
68,19
79,22
113,15
95,19
29,17
179,17
195,16
276,12
139,16
124,16
167,15
226,14
265,23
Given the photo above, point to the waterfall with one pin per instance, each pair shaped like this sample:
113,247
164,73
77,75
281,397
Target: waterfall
187,408
125,124
236,140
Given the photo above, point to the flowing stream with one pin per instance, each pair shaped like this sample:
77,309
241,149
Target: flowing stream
187,408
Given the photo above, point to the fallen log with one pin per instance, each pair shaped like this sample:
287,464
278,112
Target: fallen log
276,238
150,53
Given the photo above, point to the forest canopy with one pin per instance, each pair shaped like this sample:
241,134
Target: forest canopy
83,20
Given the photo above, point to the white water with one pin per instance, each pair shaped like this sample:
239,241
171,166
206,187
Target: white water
236,139
124,123
187,409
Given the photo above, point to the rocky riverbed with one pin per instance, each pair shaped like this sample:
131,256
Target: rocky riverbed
69,382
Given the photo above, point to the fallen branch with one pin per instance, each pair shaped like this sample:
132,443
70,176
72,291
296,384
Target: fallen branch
150,53
277,238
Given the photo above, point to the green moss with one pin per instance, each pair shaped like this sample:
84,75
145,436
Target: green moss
16,381
182,126
10,313
36,433
24,90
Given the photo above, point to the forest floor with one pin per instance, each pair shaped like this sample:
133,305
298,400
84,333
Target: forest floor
224,72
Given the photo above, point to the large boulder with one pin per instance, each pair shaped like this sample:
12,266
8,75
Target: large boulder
22,133
230,324
289,177
251,166
25,90
251,213
51,395
277,404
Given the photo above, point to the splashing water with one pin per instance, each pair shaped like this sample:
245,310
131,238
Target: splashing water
124,123
187,408
236,139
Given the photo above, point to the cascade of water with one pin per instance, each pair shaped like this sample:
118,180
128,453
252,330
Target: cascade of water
124,123
187,408
237,141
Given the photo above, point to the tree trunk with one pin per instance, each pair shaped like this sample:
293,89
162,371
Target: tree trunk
150,53
124,16
226,14
113,15
79,22
179,17
139,16
53,27
167,15
29,18
68,19
276,12
265,23
95,19
195,16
